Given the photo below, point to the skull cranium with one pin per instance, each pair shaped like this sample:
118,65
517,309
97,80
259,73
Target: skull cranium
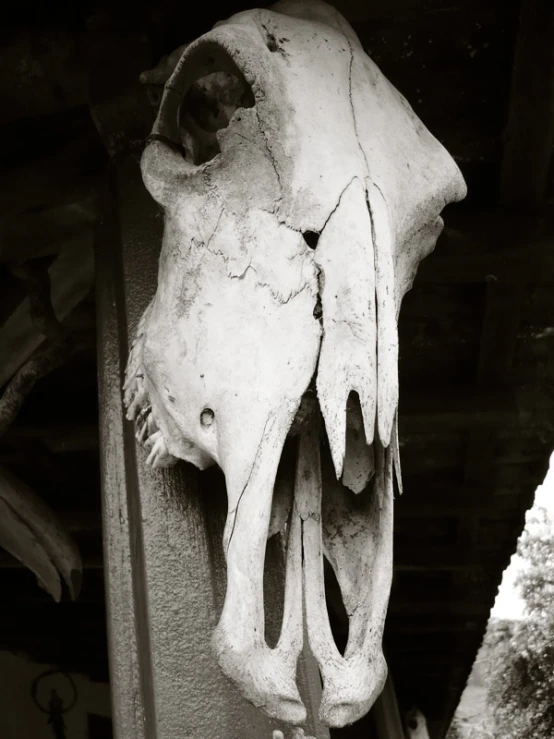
300,193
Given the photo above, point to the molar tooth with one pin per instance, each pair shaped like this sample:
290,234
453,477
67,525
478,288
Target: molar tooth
135,403
159,456
141,432
147,409
142,425
151,424
151,440
156,451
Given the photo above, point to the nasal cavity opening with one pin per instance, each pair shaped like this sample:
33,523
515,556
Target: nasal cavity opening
207,107
338,617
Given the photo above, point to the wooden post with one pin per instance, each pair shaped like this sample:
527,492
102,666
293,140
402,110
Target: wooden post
163,529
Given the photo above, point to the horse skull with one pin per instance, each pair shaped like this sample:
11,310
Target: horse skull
300,193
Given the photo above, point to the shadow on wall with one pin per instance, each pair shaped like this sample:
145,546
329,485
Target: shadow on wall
23,688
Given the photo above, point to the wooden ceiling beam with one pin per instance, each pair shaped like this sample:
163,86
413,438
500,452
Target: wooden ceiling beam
460,501
498,246
58,439
427,624
460,607
498,341
534,266
440,409
447,559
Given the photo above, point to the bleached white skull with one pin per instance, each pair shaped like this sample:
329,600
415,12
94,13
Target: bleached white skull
300,193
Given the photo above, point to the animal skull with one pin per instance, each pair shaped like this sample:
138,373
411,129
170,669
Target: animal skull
300,193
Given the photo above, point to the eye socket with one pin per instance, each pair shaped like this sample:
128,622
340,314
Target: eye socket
207,417
208,107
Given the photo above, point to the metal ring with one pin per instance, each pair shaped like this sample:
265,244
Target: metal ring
47,673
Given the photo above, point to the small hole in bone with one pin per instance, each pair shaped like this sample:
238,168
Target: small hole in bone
318,310
311,238
272,44
207,417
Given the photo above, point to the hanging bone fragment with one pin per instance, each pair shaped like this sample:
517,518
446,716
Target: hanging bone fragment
300,193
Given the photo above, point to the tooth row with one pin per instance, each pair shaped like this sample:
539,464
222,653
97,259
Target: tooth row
145,424
159,456
135,393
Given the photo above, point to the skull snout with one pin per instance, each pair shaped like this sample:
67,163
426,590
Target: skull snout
266,676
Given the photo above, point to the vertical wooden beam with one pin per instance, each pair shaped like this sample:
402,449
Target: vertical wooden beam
386,714
529,141
163,531
529,135
128,640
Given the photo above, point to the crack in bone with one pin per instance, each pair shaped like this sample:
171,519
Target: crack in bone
270,155
233,512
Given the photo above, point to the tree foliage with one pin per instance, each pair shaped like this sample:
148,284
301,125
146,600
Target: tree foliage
536,578
521,663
